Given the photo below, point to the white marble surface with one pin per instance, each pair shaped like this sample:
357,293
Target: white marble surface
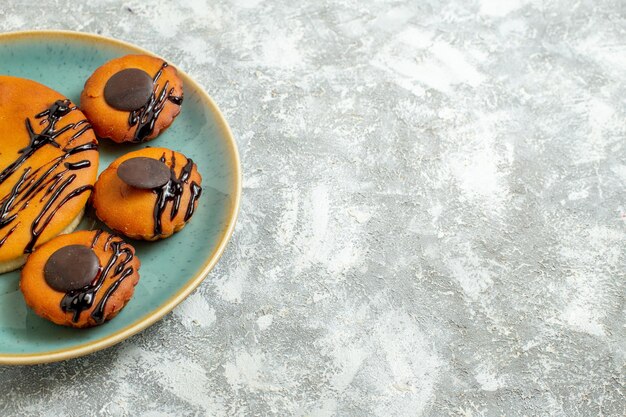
433,219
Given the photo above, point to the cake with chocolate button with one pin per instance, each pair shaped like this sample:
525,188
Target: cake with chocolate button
148,194
133,98
81,279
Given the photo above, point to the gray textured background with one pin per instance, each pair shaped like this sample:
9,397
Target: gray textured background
433,217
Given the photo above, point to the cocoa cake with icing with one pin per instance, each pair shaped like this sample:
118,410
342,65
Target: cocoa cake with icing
133,98
148,194
48,165
81,279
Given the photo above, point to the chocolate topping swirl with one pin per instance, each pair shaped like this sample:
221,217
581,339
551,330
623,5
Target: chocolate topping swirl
116,268
146,116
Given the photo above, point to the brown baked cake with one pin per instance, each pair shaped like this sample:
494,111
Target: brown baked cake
81,279
133,98
48,165
148,194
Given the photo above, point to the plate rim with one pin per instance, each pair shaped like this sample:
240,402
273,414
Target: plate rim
210,261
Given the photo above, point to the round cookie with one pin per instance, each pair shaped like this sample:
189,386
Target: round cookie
48,165
133,98
81,279
148,194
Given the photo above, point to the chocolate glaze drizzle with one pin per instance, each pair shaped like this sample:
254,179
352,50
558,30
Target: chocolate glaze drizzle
146,116
77,301
173,191
44,180
196,191
9,233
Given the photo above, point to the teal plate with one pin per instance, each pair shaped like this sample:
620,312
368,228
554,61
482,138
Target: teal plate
170,269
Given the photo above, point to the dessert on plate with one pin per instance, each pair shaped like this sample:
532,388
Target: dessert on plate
48,172
133,98
48,165
148,194
81,279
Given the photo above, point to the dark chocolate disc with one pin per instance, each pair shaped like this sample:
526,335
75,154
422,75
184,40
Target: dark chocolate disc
145,173
71,267
129,89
